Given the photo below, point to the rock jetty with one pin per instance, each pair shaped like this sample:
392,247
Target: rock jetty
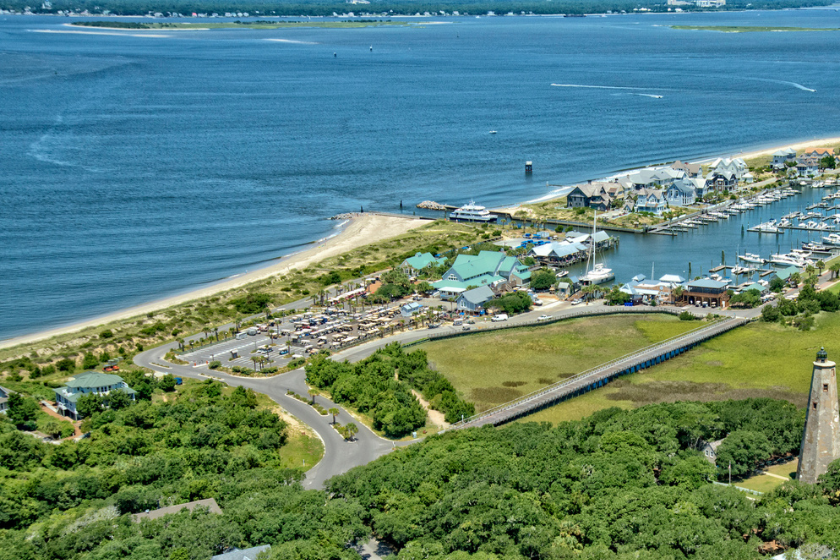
431,205
346,216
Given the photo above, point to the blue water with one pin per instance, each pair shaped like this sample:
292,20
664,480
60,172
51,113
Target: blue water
135,167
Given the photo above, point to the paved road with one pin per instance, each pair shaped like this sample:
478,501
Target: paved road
339,455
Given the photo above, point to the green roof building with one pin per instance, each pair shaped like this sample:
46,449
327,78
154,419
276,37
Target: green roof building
421,261
488,268
85,383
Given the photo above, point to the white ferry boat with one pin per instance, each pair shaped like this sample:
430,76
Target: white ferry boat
472,212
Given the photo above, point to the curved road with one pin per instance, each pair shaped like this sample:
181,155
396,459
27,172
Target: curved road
340,455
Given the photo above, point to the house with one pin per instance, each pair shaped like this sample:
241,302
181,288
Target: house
817,153
4,400
681,193
209,503
412,266
559,252
642,290
726,166
86,383
651,200
782,157
690,169
592,195
651,178
709,450
807,166
755,286
488,268
705,292
785,273
247,554
721,181
474,300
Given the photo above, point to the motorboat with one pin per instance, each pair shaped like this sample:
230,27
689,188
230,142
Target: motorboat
766,227
832,239
790,260
752,258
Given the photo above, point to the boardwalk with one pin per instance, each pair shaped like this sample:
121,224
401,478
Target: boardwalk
599,376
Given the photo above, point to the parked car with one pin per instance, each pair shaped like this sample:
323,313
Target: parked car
577,302
500,317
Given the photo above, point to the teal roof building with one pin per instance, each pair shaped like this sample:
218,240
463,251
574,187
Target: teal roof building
488,268
421,261
86,383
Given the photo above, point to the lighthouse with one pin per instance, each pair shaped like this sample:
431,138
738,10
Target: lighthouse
821,439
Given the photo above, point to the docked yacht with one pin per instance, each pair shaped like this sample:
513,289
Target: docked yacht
598,273
790,260
766,227
752,257
832,239
472,212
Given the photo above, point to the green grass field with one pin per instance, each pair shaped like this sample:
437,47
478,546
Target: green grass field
493,368
747,28
758,360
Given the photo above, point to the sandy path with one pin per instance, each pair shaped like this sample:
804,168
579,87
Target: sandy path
362,230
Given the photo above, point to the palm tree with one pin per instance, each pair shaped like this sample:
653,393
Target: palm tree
821,266
334,411
255,359
835,270
350,430
795,278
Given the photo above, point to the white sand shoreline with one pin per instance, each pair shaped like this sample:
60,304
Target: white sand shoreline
362,230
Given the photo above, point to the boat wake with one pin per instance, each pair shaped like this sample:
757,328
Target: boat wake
597,87
292,41
798,86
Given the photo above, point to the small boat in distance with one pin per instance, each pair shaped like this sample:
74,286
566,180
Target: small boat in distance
472,212
492,132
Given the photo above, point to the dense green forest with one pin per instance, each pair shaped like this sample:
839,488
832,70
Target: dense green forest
380,387
327,7
619,484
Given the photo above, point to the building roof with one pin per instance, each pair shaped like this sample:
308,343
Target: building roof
819,151
754,286
785,273
209,503
479,295
690,168
247,554
672,279
684,187
455,285
705,283
91,379
422,260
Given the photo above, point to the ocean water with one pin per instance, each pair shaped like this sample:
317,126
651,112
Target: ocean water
139,165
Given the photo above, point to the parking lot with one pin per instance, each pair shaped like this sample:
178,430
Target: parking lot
283,340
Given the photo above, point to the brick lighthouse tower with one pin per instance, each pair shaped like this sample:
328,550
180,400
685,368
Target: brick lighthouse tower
821,439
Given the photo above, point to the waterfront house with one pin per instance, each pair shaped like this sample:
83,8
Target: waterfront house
246,554
807,166
726,166
651,200
785,273
642,290
690,169
412,266
473,300
85,383
562,253
762,289
488,268
651,178
681,193
721,181
592,195
817,153
705,291
782,157
4,400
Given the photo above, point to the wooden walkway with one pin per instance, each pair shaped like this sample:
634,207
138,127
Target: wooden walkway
599,376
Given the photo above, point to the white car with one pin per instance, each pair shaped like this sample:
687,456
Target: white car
500,317
543,318
577,302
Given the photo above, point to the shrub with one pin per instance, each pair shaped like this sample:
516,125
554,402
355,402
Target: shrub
66,364
215,364
688,316
106,334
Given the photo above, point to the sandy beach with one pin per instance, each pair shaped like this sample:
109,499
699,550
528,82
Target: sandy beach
362,230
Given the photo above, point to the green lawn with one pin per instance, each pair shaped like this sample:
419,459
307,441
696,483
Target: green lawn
758,360
495,367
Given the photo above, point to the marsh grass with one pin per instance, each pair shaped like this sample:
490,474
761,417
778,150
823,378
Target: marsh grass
493,368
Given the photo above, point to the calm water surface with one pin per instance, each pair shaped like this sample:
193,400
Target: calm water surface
136,166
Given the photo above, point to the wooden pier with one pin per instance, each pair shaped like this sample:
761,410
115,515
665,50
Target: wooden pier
599,376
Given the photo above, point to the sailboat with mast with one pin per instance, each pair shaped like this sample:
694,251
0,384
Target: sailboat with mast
596,273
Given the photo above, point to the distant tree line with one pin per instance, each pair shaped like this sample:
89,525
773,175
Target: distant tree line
327,7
